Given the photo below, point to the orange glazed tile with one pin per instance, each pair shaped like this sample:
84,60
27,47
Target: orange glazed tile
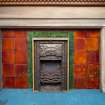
8,57
80,44
93,57
8,70
80,71
9,82
21,69
92,44
21,34
80,83
8,34
21,82
93,76
8,44
21,44
93,34
80,34
21,57
80,57
93,83
93,70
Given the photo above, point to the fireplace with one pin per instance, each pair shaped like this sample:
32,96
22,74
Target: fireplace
50,60
68,18
50,64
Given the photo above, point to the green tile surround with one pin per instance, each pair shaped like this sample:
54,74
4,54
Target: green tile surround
0,59
71,62
46,34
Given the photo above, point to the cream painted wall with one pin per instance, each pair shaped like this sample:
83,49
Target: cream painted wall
52,12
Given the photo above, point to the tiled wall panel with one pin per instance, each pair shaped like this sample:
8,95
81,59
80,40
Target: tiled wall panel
15,58
86,59
83,53
71,58
0,60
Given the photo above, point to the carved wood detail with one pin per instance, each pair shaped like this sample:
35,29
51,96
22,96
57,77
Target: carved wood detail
52,2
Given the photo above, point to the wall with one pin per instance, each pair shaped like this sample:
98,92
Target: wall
52,13
84,57
58,17
15,59
0,60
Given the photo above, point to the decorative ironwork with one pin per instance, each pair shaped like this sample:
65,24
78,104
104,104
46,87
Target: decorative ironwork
52,2
51,71
51,77
50,49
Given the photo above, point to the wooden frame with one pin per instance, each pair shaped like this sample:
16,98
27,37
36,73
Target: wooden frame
52,3
33,56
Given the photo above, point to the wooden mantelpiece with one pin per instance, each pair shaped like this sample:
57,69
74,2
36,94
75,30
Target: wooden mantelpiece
52,2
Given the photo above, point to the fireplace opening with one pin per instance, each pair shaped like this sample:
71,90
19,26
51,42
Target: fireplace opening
51,75
50,69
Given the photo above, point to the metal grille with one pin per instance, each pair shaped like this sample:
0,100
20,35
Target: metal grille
47,77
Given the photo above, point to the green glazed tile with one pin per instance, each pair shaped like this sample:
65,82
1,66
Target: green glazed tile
39,34
71,58
48,34
71,36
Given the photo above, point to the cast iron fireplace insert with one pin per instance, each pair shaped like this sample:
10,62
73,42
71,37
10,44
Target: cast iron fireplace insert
50,60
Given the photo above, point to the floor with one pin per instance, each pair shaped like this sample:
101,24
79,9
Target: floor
74,97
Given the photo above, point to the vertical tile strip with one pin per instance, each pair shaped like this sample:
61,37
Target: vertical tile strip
30,58
71,58
0,60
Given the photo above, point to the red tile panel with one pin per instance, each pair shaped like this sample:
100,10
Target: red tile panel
80,34
8,57
21,69
80,44
80,57
21,44
92,44
93,76
9,82
93,34
8,70
80,75
8,34
80,71
15,59
93,57
80,83
21,81
86,52
8,44
21,34
21,57
21,48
